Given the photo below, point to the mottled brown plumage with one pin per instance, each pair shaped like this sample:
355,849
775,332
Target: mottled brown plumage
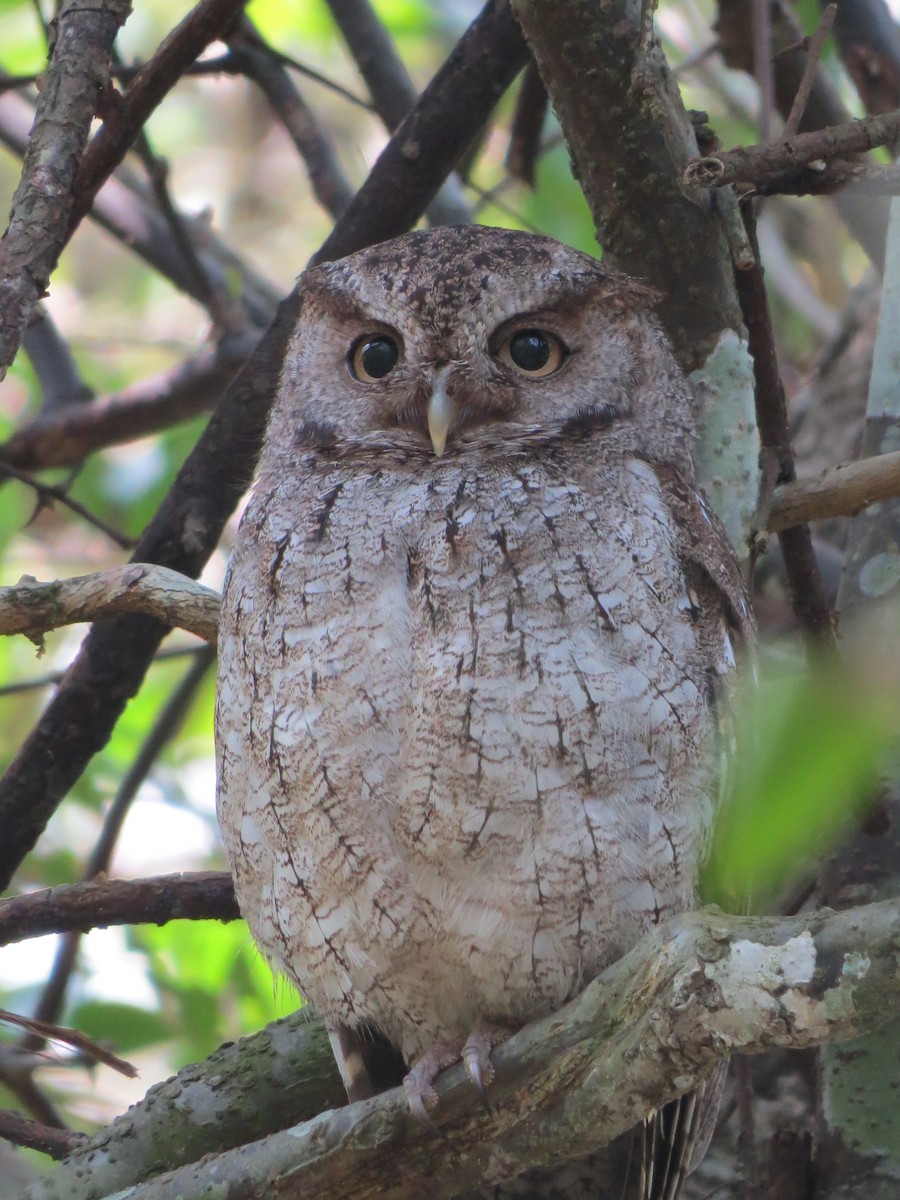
470,640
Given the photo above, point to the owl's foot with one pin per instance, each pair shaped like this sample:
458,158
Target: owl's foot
475,1054
419,1083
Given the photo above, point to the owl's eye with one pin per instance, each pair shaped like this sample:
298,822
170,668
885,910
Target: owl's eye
373,357
533,352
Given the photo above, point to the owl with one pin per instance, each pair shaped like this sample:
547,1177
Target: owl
473,629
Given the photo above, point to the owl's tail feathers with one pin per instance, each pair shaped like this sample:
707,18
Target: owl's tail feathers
676,1138
367,1062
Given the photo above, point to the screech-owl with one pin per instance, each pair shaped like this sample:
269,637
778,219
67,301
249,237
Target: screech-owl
471,635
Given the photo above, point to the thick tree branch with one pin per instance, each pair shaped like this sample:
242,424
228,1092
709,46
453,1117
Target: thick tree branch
75,82
32,608
693,991
630,139
100,903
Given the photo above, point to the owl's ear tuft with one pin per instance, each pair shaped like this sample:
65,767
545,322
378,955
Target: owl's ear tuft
622,294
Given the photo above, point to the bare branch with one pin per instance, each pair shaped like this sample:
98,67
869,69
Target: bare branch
842,491
764,163
46,1139
32,608
692,992
70,1037
47,493
810,70
100,903
264,68
44,200
65,438
804,579
204,24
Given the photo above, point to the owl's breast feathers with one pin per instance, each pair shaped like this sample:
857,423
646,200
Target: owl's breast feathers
464,713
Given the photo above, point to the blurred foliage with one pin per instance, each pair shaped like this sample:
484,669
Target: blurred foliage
811,746
814,746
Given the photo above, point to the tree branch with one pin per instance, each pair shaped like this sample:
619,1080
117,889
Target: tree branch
630,139
66,437
692,992
765,163
841,491
32,608
42,206
100,903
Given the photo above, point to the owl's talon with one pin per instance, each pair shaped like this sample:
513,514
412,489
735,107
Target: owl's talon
418,1105
476,1057
418,1083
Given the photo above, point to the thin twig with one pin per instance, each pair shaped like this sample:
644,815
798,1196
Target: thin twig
261,64
47,492
804,581
52,678
218,300
808,79
50,1032
762,65
101,903
166,725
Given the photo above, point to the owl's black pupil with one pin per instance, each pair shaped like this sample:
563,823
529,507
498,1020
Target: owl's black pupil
530,350
379,356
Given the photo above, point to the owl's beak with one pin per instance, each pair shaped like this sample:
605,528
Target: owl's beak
440,413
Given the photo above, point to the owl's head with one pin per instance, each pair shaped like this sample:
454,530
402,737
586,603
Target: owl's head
466,340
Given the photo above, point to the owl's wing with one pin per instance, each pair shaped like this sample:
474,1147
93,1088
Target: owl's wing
675,1139
707,552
